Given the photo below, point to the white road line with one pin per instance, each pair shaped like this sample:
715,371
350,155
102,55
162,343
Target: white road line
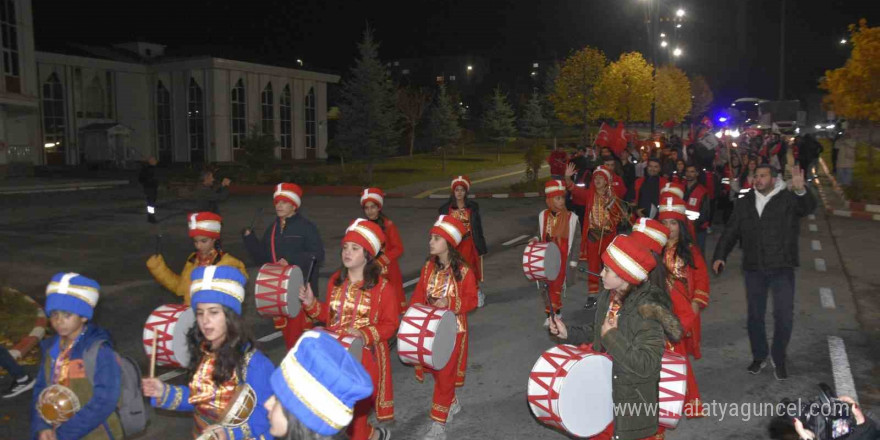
826,296
843,379
816,245
813,227
510,242
812,216
820,264
410,282
270,337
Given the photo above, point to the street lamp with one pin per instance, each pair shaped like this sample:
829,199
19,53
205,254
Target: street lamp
679,13
663,43
843,41
678,26
677,52
469,68
662,35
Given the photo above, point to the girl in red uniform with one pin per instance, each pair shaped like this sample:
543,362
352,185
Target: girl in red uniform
372,201
447,282
473,244
362,303
687,282
558,225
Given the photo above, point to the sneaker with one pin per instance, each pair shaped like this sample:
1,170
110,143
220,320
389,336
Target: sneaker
454,409
481,298
19,386
779,371
757,366
382,433
592,300
437,431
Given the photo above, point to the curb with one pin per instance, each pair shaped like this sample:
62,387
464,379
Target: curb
338,191
37,333
491,195
857,210
67,187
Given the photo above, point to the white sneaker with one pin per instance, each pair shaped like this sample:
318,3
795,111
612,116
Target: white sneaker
454,409
437,431
481,298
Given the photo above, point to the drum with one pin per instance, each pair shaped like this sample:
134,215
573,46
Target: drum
542,261
426,336
213,432
355,346
570,389
276,290
673,385
170,322
56,404
240,407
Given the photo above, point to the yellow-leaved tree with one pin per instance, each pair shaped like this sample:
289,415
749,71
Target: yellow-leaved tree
672,90
625,90
854,89
573,98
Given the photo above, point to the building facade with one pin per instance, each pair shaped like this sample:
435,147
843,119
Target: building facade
130,101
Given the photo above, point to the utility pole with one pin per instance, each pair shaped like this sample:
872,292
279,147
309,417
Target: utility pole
782,54
655,28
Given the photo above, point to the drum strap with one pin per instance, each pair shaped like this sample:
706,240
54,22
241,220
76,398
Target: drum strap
272,241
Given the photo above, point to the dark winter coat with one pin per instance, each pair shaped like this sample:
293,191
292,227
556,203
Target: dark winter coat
297,243
476,223
644,324
769,240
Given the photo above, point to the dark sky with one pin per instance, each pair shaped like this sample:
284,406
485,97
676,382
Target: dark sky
734,43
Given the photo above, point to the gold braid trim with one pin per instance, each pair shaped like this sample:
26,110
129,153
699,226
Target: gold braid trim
178,396
164,396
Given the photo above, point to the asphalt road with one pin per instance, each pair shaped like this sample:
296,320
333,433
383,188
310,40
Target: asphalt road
103,234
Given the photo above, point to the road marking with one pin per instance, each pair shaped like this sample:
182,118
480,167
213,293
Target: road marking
410,282
427,193
816,245
827,298
812,216
843,380
820,264
510,242
270,337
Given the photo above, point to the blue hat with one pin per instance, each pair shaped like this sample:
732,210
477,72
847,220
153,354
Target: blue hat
319,383
72,292
222,285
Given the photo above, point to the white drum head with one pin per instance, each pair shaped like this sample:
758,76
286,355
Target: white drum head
444,340
552,261
585,404
181,350
295,281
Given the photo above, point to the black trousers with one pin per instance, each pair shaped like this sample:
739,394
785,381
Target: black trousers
758,284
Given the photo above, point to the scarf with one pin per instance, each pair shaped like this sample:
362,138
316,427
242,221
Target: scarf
559,228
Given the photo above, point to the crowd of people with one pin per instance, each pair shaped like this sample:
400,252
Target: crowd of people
642,215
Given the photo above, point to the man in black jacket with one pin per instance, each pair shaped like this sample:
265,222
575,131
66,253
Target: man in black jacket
147,179
767,220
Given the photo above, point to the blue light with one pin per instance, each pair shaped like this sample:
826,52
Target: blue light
722,119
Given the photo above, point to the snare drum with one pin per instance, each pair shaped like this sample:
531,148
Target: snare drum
354,345
426,336
170,322
673,386
240,407
56,404
570,389
542,261
276,290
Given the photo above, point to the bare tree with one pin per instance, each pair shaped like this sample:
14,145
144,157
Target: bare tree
412,103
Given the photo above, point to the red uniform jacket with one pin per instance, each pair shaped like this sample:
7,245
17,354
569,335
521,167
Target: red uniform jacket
462,299
374,313
687,284
389,260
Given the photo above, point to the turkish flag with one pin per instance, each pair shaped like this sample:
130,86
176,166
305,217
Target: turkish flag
669,124
604,135
617,140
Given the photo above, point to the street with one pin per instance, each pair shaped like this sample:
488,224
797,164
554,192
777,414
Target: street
104,235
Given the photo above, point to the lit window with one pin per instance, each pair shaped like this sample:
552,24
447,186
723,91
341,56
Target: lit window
405,71
54,120
439,79
452,77
535,65
196,121
239,114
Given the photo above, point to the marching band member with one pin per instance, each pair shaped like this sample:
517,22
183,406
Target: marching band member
447,282
315,389
223,356
687,282
631,324
290,239
372,201
204,229
698,200
362,303
556,224
473,245
70,302
676,190
603,216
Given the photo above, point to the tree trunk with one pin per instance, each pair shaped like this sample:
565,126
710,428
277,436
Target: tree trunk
412,140
443,155
462,147
342,162
500,147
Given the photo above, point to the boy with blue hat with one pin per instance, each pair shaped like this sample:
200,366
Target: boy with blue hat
316,388
70,302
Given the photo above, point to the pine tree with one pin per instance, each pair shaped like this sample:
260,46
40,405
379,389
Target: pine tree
532,124
368,124
443,126
498,120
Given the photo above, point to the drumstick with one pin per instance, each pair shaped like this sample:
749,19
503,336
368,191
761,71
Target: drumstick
153,355
584,270
254,220
311,269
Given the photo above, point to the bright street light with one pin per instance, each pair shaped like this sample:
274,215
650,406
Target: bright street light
679,13
677,52
469,68
843,41
678,26
663,43
662,35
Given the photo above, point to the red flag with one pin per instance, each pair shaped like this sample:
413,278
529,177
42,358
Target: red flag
706,121
691,136
617,141
603,136
669,124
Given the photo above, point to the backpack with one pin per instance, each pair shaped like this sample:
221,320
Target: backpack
130,408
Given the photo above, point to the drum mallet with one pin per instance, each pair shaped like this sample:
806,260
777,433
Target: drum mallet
584,270
153,354
254,220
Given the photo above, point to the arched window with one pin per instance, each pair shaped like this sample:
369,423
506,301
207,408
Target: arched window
53,115
311,120
163,123
9,32
239,114
94,99
285,110
196,121
268,110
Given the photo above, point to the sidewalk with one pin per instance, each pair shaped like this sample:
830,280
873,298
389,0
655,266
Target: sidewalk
835,201
32,185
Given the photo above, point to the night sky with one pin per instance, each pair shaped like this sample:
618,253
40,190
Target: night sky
734,43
